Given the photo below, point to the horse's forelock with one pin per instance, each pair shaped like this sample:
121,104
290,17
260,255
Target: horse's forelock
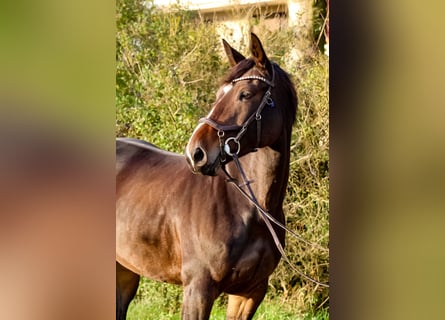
241,68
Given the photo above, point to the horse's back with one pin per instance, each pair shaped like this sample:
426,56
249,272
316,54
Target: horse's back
128,148
148,171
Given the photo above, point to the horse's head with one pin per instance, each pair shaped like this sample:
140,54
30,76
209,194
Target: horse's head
249,112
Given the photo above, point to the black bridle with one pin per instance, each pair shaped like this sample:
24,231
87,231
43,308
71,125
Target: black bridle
221,129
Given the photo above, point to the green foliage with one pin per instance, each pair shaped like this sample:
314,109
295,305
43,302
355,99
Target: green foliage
320,20
169,66
307,200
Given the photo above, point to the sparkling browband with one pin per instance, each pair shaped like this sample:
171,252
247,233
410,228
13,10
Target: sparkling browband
254,78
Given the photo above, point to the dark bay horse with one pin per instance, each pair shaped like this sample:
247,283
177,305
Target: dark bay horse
178,220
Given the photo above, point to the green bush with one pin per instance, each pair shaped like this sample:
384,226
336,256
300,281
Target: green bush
307,199
168,69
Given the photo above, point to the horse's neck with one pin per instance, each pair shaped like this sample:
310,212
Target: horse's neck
268,171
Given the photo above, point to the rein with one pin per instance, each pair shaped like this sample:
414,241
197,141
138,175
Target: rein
226,149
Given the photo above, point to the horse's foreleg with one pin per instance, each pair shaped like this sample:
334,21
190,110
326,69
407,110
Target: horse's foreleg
127,283
198,299
243,307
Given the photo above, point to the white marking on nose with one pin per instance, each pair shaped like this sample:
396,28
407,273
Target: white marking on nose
227,88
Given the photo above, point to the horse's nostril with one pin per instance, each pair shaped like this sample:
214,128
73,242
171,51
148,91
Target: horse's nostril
198,155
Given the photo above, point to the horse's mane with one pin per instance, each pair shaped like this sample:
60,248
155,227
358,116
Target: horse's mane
285,84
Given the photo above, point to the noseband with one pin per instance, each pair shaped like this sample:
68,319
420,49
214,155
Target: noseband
221,129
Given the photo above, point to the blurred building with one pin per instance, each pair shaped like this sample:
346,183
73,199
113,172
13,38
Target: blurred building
234,17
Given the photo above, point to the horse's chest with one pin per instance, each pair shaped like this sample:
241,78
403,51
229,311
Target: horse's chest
256,261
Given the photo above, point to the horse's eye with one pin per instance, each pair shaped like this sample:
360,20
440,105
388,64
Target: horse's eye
245,95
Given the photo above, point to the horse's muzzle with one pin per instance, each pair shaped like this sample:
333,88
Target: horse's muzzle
198,162
203,152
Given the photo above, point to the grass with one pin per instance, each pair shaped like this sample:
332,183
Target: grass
168,69
161,301
266,311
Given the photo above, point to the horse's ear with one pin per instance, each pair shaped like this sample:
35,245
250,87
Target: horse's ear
258,54
233,55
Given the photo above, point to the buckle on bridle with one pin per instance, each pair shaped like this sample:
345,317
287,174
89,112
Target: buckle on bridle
270,102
